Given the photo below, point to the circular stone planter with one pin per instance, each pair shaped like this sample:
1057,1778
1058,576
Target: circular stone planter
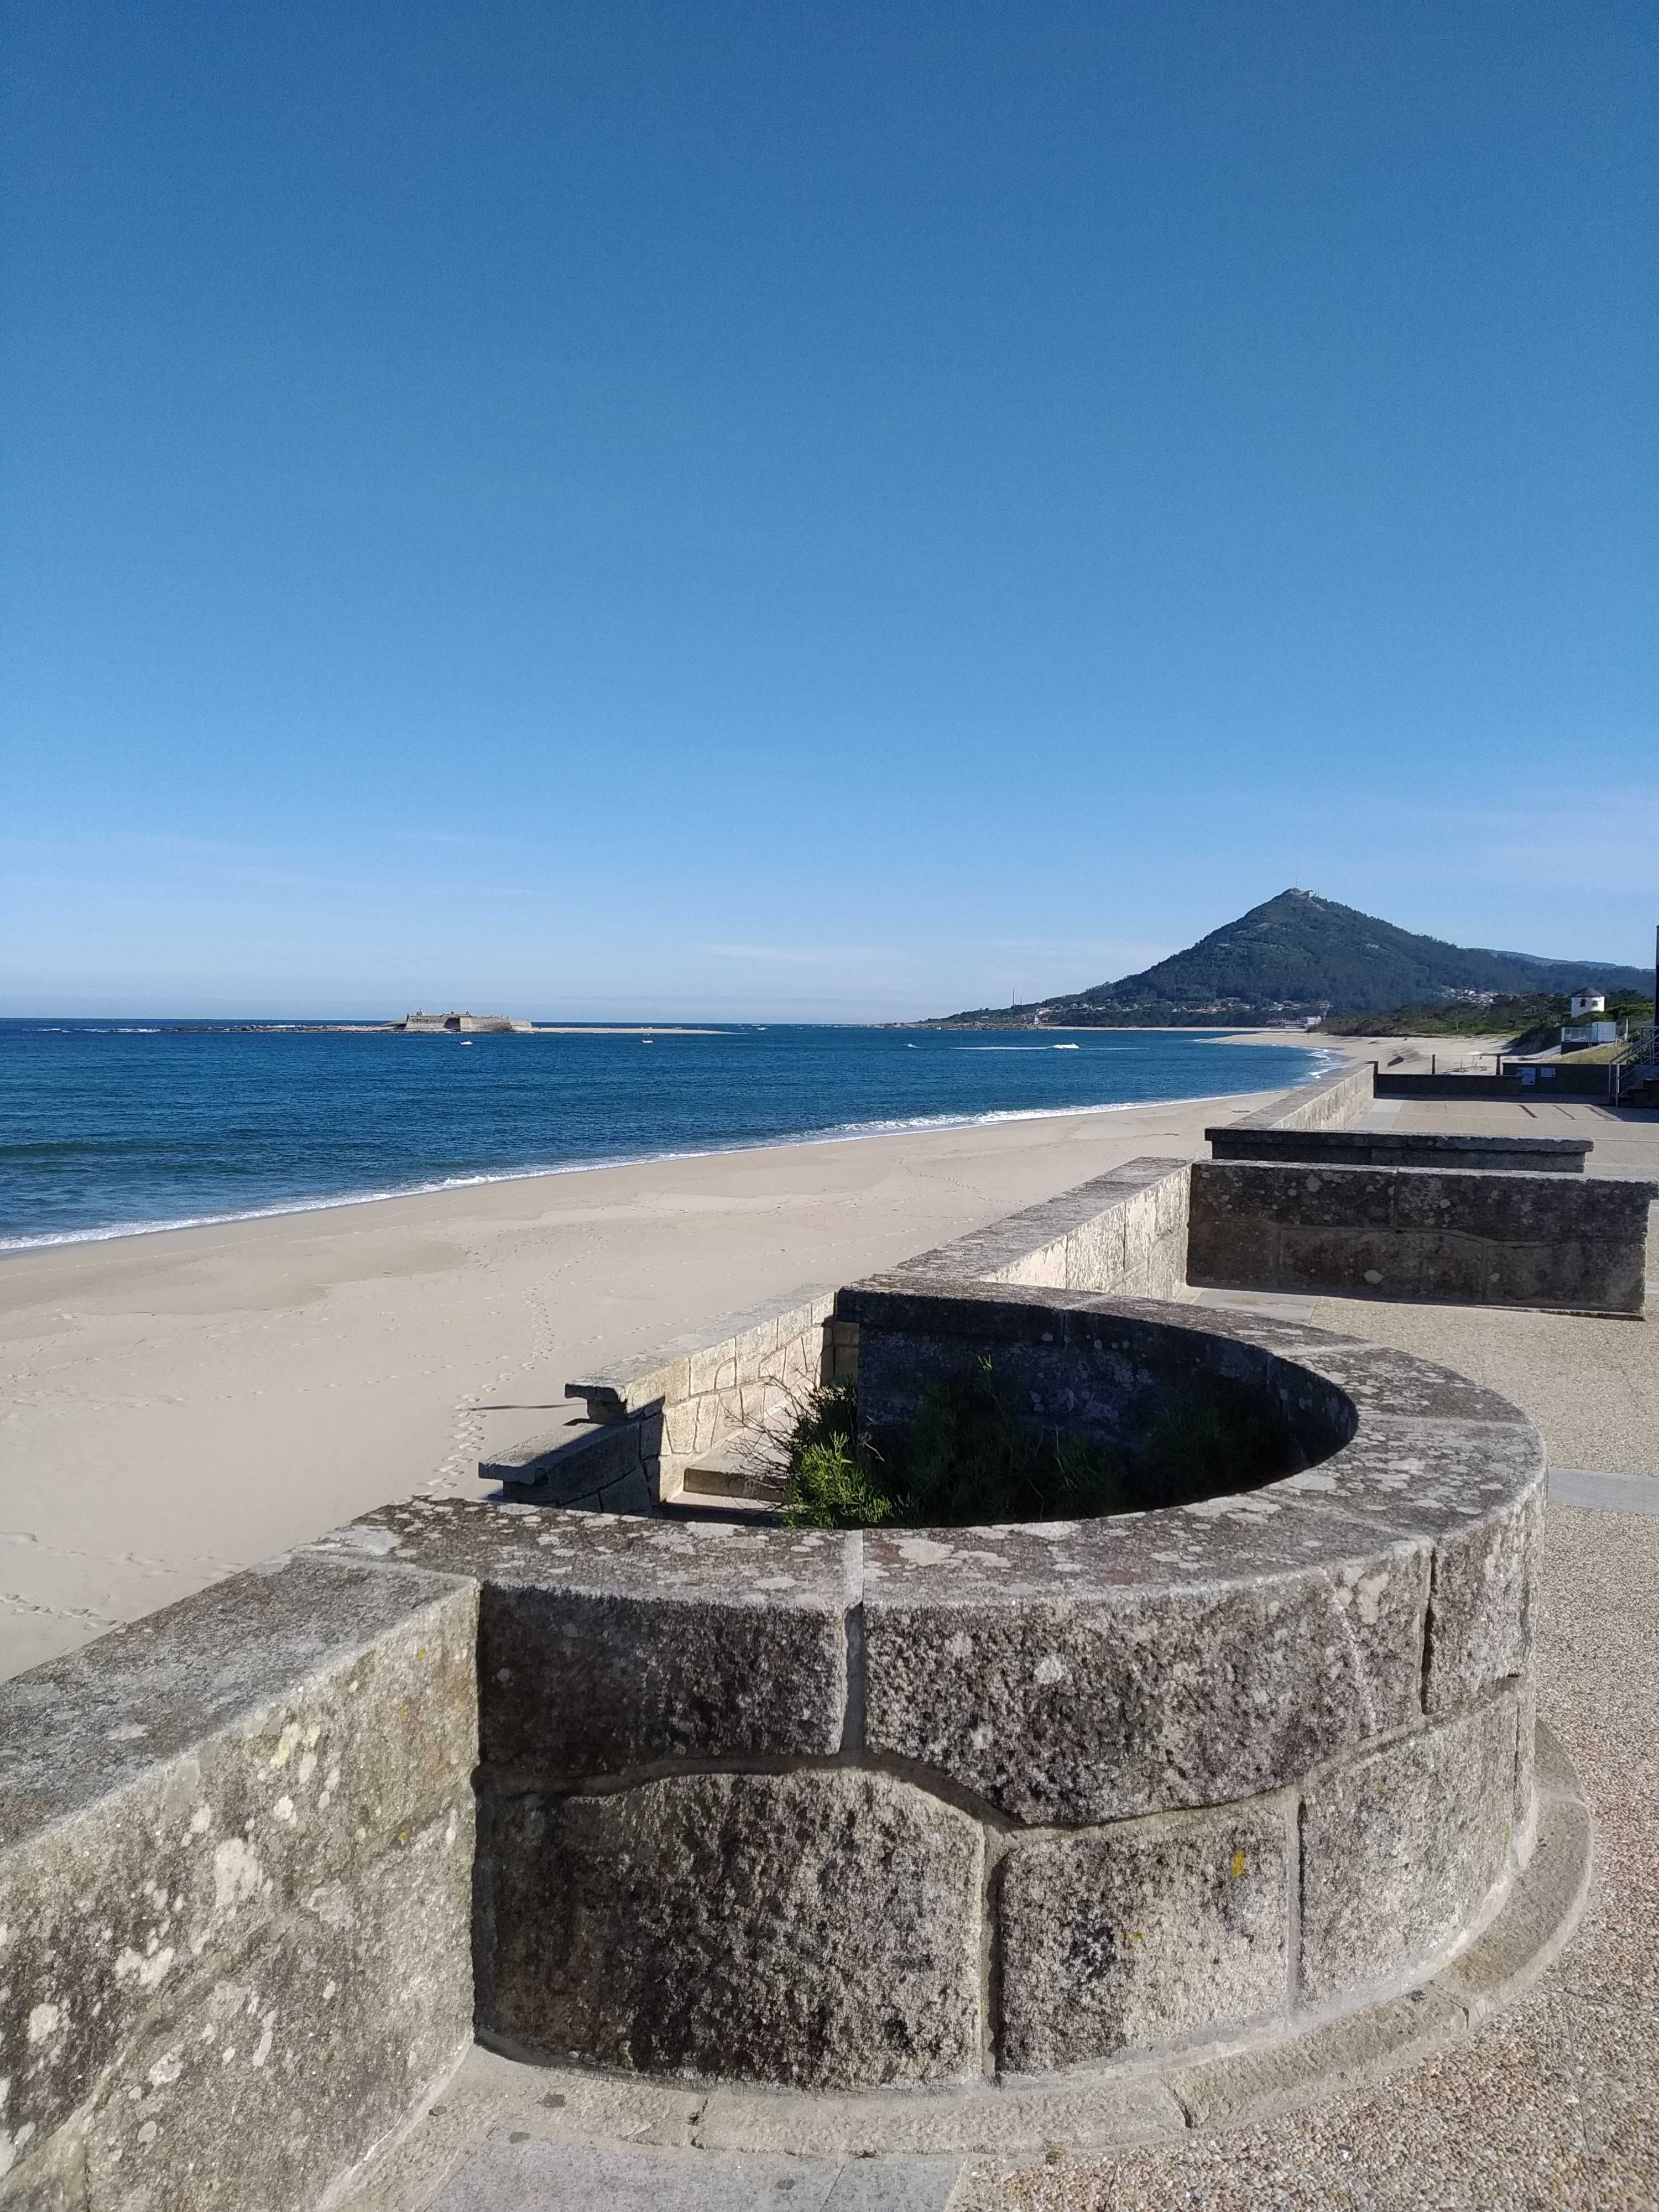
974,1808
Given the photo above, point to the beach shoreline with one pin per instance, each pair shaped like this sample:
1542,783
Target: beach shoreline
181,1403
184,1403
103,1233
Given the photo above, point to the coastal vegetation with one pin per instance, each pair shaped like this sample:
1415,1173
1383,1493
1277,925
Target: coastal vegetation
971,1457
1530,1020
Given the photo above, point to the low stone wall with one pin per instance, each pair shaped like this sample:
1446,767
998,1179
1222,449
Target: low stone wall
1336,1103
1539,1083
1103,1370
913,1808
236,1853
1123,1234
1403,1148
916,1807
1574,1243
648,1417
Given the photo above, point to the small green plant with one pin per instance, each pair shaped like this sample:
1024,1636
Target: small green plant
833,1481
970,1457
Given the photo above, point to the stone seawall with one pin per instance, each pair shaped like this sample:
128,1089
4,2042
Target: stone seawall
1403,1148
646,1419
1123,1235
1337,1102
1574,1243
236,1852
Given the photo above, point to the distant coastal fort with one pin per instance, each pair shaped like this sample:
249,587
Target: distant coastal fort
467,1024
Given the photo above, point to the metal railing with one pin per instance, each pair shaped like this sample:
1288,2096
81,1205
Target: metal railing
1634,1063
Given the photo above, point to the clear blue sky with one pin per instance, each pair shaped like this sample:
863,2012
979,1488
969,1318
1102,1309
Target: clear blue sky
822,511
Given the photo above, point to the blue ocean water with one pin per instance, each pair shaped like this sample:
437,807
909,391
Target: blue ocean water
109,1127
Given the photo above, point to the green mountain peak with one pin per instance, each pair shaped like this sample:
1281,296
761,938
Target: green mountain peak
1300,955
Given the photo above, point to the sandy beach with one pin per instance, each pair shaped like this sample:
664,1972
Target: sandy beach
179,1404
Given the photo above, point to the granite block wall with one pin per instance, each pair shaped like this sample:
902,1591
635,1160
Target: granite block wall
236,1850
1577,1242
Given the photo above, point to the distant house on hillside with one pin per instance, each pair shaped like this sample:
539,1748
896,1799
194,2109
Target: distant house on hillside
1585,1003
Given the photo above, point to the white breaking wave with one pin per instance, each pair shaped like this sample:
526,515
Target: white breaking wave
840,1134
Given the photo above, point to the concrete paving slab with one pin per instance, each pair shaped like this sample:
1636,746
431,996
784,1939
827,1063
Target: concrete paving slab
1626,1139
515,2170
1282,1305
1604,1493
1589,1385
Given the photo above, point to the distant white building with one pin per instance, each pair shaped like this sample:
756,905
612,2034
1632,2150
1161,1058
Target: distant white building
1590,1022
435,1024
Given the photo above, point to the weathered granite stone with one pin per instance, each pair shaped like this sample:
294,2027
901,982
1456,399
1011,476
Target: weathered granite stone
1074,1673
277,2070
1378,1379
1483,1605
1488,1238
609,1644
1527,1784
165,1788
819,1928
1400,1148
575,1462
1336,1103
1131,1937
1106,1367
734,1348
1476,1488
1124,1233
51,2180
1537,1914
1247,2088
1398,1849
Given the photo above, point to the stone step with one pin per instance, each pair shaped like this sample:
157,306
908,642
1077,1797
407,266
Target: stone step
737,1466
752,1512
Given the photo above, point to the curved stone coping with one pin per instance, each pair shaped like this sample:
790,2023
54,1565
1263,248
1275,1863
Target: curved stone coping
1061,1674
1244,2081
906,1808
